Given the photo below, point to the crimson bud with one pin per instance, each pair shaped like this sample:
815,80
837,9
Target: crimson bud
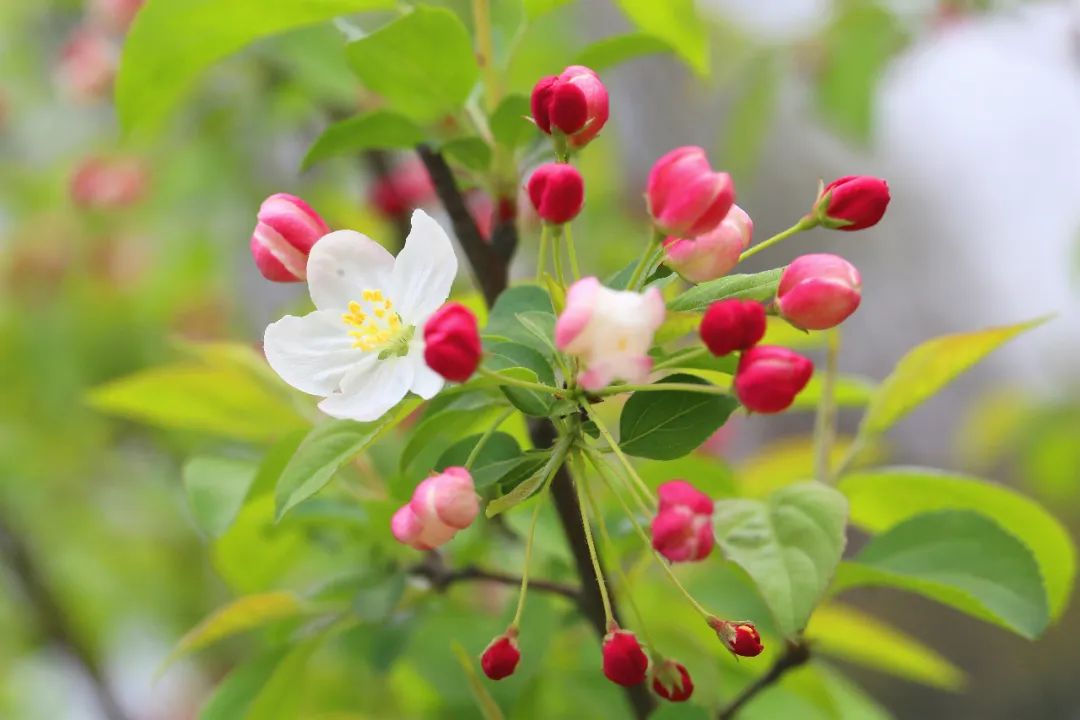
452,342
672,682
286,231
820,291
686,197
682,530
501,657
574,102
741,637
853,202
768,378
625,663
731,325
557,192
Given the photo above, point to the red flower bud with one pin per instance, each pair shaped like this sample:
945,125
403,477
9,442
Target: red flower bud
501,657
817,292
682,529
672,682
768,378
741,638
575,102
854,202
625,663
404,188
686,198
557,192
101,183
452,342
731,325
286,231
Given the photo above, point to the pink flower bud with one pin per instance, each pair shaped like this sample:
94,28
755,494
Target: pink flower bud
817,292
501,657
611,330
686,198
452,342
87,65
557,192
682,529
574,102
100,183
441,505
671,681
406,187
854,202
625,663
115,15
741,638
768,378
286,230
713,254
731,325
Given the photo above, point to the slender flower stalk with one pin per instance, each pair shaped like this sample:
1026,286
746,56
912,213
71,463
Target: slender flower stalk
541,260
825,421
657,387
623,460
556,254
648,257
524,384
572,252
479,447
804,224
601,584
528,558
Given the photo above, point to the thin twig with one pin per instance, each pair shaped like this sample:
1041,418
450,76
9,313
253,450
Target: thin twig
796,655
442,577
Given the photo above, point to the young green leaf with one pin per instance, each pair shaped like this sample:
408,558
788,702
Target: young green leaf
664,425
500,452
472,152
789,545
503,356
503,323
758,286
676,22
234,695
447,422
962,559
243,614
216,488
524,490
884,497
611,51
422,63
511,123
378,129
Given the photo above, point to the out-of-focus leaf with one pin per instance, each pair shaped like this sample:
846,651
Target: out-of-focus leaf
851,635
490,462
239,616
216,488
171,43
326,449
611,51
884,497
751,118
789,544
848,391
472,152
758,286
233,697
255,551
523,490
676,22
278,699
664,425
511,123
422,63
378,129
785,461
536,8
489,709
962,559
931,366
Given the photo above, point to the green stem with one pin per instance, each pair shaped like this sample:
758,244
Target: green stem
478,448
647,494
485,52
678,359
805,224
541,260
556,254
601,584
525,569
647,259
658,387
825,421
603,469
572,251
525,384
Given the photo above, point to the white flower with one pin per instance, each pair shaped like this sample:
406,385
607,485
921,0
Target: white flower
362,349
611,330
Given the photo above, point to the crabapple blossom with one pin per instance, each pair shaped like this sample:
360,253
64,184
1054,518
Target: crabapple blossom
682,530
768,378
854,202
441,505
557,192
819,291
574,102
286,230
732,324
714,253
452,342
686,197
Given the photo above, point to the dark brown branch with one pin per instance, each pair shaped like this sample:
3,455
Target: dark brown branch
796,655
51,617
441,577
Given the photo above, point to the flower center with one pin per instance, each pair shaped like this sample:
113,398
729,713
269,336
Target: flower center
376,326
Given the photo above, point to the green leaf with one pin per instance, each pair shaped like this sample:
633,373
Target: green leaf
225,399
171,43
422,63
541,325
501,477
233,697
612,51
239,616
758,286
851,635
503,356
751,117
536,8
278,699
511,123
472,152
325,450
449,421
216,488
676,22
523,490
379,129
885,497
500,452
959,558
789,544
928,368
664,425
503,324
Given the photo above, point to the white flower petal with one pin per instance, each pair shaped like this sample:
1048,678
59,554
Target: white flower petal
312,353
344,263
369,391
424,270
426,382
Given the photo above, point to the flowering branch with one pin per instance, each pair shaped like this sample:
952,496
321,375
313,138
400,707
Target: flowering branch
796,655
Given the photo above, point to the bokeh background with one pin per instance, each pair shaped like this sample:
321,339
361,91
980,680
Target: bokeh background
115,251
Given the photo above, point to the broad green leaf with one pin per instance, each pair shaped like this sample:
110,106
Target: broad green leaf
503,323
882,498
232,698
931,366
751,117
216,488
959,558
849,634
223,400
172,42
450,420
758,286
676,22
503,356
789,544
664,425
239,616
612,51
325,450
500,452
278,698
255,552
422,63
541,325
378,129
511,123
523,490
